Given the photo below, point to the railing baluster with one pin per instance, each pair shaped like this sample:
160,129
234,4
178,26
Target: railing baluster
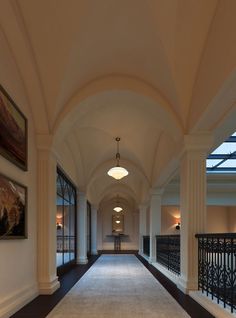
217,267
168,252
232,275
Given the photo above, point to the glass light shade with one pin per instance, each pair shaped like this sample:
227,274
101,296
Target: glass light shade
117,173
117,209
117,221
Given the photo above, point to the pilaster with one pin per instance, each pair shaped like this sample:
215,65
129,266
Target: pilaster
155,221
142,225
47,277
82,228
192,205
94,230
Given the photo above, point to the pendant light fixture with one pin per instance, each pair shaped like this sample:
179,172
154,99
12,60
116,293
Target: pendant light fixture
118,208
118,172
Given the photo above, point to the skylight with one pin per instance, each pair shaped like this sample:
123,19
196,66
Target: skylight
223,158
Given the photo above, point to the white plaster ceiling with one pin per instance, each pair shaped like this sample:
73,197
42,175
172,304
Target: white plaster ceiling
146,71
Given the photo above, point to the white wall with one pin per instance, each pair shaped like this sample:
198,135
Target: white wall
131,227
232,219
169,219
217,219
220,219
18,270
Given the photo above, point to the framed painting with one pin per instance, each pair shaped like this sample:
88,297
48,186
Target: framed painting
13,131
13,209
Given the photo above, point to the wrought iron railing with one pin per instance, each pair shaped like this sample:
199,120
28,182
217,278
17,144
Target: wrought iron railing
146,245
217,267
65,243
168,252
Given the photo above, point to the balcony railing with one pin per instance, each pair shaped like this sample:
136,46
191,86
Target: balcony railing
217,267
146,245
168,252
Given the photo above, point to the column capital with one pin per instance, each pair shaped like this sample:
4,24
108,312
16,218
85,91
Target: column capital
94,206
81,194
198,142
143,206
156,191
44,144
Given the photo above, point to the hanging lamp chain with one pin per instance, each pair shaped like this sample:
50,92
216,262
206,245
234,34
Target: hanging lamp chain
118,152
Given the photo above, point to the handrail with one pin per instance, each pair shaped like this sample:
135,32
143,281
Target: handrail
217,235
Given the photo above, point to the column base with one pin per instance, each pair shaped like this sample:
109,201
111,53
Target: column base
94,252
187,286
152,260
82,260
48,288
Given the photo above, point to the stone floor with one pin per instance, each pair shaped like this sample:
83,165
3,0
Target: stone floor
118,286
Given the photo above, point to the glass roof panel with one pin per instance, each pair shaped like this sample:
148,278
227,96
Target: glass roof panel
212,162
225,148
230,163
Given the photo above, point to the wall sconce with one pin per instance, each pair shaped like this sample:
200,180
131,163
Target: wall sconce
177,223
59,226
178,226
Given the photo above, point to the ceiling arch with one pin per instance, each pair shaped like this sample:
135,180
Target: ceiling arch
82,102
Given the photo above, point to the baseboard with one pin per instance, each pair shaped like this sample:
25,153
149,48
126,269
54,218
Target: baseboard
170,275
144,256
211,306
48,288
11,304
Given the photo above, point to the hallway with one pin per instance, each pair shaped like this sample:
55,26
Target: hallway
117,136
118,286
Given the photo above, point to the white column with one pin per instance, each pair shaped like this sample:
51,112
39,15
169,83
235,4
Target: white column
155,221
192,206
94,230
47,276
81,228
142,225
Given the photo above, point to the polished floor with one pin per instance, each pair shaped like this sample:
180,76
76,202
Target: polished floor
41,306
118,286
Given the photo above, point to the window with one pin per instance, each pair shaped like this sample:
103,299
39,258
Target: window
223,158
65,220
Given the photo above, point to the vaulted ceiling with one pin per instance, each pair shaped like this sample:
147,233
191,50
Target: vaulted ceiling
146,71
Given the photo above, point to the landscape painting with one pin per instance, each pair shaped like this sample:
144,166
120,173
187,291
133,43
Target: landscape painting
13,131
13,209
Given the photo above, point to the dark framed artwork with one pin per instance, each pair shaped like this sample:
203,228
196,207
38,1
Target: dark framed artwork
13,209
13,131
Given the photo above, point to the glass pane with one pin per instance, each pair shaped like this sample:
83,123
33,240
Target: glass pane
212,162
66,226
230,163
225,148
59,225
60,185
65,220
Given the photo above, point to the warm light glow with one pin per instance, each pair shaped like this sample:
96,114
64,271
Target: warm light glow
177,220
118,209
117,221
117,173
